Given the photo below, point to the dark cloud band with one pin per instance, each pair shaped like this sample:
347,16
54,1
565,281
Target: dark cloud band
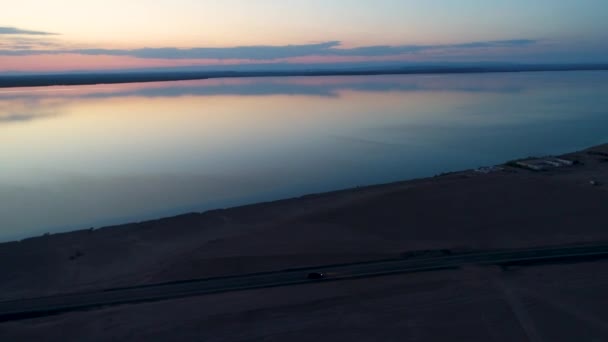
331,48
17,31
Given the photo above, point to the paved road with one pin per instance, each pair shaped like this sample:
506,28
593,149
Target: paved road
36,307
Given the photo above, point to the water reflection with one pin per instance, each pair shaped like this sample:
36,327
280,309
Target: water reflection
28,103
73,157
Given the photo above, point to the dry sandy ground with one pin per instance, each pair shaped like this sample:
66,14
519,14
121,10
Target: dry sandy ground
542,303
465,210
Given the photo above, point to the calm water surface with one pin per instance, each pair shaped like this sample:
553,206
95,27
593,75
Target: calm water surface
76,157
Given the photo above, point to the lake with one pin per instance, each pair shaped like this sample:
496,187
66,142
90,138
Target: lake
90,156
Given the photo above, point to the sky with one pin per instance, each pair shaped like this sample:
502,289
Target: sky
64,35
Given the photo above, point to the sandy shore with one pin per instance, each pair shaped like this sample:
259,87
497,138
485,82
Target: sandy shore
513,208
509,208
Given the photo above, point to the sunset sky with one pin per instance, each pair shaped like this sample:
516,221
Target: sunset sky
60,35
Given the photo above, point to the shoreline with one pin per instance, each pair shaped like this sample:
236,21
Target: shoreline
508,208
95,78
520,164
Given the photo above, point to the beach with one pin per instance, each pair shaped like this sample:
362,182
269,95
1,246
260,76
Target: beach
509,206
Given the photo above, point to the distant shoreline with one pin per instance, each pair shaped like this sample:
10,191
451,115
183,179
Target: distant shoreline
16,81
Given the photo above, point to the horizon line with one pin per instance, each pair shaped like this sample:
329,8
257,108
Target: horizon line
146,75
